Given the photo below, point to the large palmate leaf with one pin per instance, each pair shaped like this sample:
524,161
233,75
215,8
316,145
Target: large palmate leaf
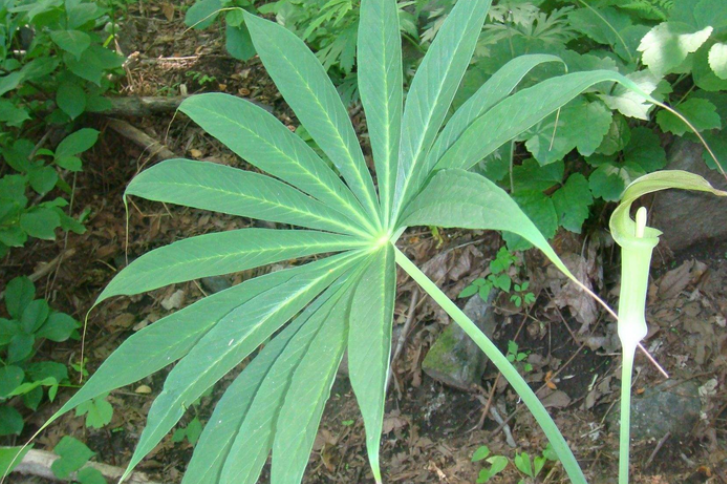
432,91
305,317
236,192
381,81
306,87
258,137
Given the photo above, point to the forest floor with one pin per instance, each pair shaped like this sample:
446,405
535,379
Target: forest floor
431,431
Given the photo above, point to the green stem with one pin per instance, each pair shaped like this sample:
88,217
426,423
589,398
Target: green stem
531,400
626,370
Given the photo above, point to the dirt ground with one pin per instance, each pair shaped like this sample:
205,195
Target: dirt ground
431,431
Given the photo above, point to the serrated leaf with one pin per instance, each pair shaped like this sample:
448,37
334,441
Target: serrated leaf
231,340
645,150
700,112
258,137
306,87
572,203
540,210
98,412
630,103
228,190
531,176
606,182
369,345
668,44
380,80
617,137
432,91
580,125
221,253
718,60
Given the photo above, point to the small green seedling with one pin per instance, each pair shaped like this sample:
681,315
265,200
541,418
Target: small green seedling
531,468
191,432
498,277
522,296
517,357
637,243
98,411
497,464
73,456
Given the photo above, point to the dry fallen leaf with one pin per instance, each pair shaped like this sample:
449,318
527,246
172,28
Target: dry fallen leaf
567,294
675,281
168,11
143,389
174,301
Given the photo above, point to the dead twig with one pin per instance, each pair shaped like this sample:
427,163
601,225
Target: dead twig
656,450
402,337
141,139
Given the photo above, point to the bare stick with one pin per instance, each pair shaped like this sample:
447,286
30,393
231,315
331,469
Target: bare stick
141,139
38,463
402,337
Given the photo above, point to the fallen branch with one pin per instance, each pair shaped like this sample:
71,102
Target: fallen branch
39,462
146,106
46,268
140,138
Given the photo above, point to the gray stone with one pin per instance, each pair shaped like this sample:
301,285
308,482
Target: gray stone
688,217
215,284
454,359
671,406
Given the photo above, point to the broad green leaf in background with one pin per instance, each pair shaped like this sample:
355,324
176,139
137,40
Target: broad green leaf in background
18,294
40,223
644,149
98,412
236,192
10,457
77,142
432,91
700,112
718,59
572,202
369,345
306,87
380,78
238,42
258,137
11,422
73,41
74,454
540,210
202,14
668,44
71,98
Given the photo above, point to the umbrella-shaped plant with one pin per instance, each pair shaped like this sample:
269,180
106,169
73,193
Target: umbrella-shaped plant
308,315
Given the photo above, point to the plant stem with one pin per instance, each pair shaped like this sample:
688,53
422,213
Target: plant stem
627,366
560,446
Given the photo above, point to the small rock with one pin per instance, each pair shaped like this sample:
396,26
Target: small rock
668,407
454,359
688,217
143,390
215,284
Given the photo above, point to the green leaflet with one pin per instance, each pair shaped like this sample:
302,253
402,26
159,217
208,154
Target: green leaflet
457,198
303,82
380,80
369,345
258,137
497,87
432,91
257,431
306,397
231,340
521,111
221,253
171,338
235,408
236,192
